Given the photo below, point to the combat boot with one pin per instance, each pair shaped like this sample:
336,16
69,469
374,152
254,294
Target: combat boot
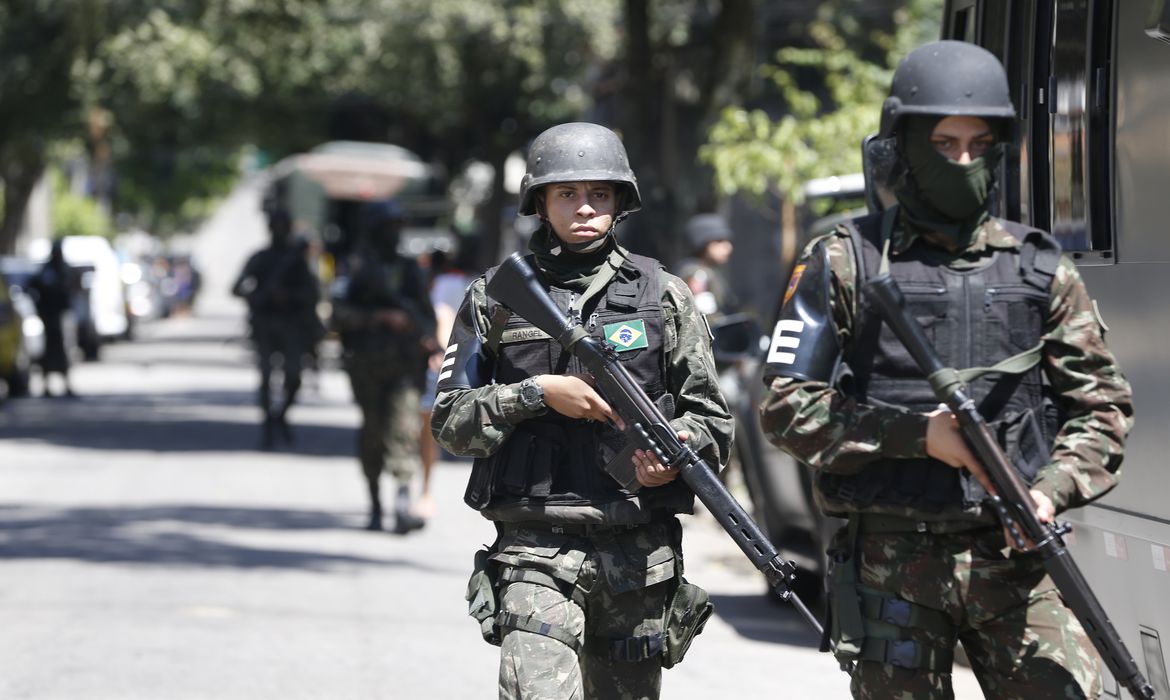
404,520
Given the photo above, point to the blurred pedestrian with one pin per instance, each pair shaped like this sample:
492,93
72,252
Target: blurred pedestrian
387,331
710,240
53,288
282,295
448,283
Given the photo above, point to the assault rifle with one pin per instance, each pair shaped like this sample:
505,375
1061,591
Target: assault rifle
646,427
1013,504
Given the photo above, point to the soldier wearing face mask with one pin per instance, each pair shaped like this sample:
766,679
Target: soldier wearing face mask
922,564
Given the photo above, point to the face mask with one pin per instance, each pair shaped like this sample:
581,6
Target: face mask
957,191
940,195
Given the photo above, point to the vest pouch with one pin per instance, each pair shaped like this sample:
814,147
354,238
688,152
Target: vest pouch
526,462
686,615
483,594
1021,436
479,484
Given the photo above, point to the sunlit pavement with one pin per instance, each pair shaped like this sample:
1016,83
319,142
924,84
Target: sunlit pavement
149,550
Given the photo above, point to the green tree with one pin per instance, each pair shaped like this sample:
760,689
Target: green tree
826,117
41,42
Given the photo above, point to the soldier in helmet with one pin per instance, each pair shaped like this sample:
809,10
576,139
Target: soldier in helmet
387,331
282,295
586,570
710,240
922,563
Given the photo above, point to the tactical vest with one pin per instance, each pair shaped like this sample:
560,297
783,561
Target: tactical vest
378,285
555,460
974,318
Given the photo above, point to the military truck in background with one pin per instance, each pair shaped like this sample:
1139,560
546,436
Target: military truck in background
327,190
1090,80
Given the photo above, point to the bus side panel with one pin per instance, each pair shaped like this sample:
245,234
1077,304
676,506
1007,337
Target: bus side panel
1142,140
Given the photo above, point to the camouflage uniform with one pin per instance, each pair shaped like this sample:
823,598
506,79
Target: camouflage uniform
1022,641
601,573
386,369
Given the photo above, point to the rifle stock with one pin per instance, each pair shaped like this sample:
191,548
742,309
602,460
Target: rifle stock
1013,504
515,286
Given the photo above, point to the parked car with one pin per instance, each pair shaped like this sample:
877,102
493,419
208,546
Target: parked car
15,361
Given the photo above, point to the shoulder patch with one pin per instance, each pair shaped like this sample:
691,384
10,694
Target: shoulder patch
793,282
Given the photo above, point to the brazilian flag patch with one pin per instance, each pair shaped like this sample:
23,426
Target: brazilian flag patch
627,335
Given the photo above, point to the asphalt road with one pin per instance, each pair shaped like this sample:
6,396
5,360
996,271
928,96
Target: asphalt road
149,550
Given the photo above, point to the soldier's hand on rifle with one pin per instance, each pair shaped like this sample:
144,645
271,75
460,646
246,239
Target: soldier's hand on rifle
944,442
395,319
652,472
1045,512
573,395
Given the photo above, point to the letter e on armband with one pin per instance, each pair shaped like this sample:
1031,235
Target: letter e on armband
785,338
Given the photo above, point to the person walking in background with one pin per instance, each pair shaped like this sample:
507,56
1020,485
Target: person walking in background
586,570
53,289
282,294
923,563
387,332
710,240
448,283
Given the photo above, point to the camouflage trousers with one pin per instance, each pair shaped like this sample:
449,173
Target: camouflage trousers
1020,638
608,589
388,439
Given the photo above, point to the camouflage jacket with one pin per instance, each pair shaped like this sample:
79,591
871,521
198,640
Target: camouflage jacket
475,422
830,431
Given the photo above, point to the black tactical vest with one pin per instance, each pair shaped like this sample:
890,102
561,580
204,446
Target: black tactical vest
555,460
974,318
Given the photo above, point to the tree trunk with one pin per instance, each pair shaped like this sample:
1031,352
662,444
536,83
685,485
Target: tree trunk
20,173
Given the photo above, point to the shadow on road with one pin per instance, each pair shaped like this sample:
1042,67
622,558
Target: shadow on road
176,422
167,536
758,618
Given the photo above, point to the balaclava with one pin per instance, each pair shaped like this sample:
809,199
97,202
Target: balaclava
939,195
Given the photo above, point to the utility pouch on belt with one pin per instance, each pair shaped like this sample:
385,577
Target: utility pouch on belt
483,594
686,615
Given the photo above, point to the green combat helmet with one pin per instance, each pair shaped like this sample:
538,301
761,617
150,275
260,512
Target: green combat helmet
578,152
947,78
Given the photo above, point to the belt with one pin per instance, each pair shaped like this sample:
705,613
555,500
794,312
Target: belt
874,524
573,530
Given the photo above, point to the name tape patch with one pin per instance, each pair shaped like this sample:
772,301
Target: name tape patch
519,335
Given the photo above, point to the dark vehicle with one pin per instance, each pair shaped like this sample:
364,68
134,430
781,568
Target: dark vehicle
779,486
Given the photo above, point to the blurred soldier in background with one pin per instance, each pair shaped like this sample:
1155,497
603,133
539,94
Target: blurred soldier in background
387,332
586,571
710,239
282,295
53,288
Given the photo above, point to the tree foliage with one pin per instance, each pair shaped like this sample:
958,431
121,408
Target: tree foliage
832,93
